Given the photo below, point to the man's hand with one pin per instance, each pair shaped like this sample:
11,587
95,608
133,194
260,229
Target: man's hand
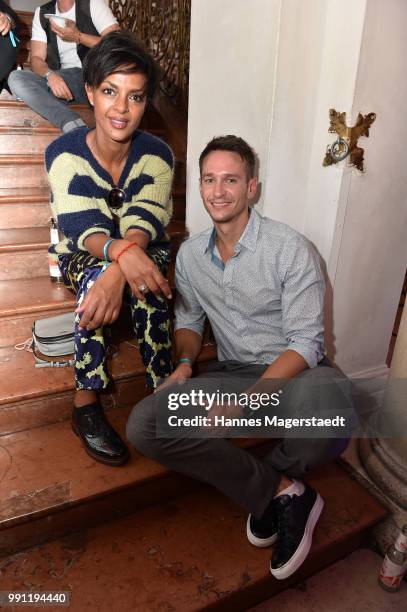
178,377
228,411
69,33
140,270
58,87
5,24
103,301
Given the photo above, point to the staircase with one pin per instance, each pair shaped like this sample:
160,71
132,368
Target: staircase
137,537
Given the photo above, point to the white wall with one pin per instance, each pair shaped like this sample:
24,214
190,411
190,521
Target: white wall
372,257
25,5
312,77
233,54
269,70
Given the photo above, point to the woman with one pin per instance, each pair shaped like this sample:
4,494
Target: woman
111,191
8,43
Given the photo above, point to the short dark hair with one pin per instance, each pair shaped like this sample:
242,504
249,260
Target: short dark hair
234,144
119,51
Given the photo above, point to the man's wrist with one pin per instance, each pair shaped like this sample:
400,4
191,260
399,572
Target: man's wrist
48,74
185,360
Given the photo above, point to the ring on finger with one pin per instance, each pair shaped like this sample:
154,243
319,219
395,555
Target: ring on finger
142,288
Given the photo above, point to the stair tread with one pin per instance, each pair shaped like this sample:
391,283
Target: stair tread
20,296
21,381
186,554
39,237
41,194
32,237
64,470
29,195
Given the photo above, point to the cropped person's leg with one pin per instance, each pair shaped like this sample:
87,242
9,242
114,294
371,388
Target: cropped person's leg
321,392
152,325
34,91
74,79
247,480
100,440
8,55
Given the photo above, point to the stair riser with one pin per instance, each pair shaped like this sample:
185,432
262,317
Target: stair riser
23,264
21,116
13,216
23,176
46,410
14,330
34,142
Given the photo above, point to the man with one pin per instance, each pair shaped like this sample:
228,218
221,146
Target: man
260,284
8,42
57,52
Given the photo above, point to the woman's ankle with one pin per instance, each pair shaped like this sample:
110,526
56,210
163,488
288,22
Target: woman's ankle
84,397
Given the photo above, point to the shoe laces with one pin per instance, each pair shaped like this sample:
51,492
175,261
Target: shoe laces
284,517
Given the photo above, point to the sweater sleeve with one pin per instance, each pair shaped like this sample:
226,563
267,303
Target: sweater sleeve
150,207
78,197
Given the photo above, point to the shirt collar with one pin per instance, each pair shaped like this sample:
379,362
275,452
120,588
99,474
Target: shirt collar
248,239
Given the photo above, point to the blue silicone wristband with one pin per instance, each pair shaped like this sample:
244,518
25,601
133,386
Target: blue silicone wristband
105,249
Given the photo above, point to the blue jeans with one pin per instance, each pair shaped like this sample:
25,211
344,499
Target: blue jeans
34,91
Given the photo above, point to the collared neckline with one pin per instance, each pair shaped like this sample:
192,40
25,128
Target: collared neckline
247,240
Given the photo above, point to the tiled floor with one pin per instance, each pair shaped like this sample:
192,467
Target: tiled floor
347,586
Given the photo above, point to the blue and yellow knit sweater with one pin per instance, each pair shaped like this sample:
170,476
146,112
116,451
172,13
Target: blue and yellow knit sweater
80,187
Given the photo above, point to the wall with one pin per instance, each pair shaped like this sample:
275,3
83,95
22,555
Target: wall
270,71
372,257
25,5
233,55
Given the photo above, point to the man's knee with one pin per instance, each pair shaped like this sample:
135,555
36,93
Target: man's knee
16,81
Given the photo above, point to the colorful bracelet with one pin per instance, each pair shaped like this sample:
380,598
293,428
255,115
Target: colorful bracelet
124,249
105,249
185,360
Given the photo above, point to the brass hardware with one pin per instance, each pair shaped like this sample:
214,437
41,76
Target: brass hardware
346,143
164,28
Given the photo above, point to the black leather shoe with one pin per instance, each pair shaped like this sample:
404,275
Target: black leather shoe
296,517
262,532
98,437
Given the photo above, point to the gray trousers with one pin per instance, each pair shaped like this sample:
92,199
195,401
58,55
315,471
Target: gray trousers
34,91
250,481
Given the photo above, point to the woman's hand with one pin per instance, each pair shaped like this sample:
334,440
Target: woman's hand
139,270
69,33
103,301
5,24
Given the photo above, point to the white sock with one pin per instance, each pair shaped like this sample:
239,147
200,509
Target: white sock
295,488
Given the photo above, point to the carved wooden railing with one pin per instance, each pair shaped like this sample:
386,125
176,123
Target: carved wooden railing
163,26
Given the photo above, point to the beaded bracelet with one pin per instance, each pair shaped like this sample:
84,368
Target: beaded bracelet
124,249
105,249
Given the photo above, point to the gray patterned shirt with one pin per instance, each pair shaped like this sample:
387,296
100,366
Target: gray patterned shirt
267,298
